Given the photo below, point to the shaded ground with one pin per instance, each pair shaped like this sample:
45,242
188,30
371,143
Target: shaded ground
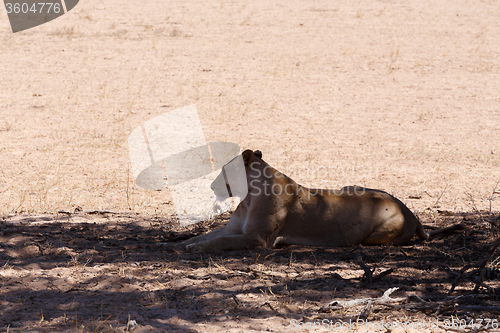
101,272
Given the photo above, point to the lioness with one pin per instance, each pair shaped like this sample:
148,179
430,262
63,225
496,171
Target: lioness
277,210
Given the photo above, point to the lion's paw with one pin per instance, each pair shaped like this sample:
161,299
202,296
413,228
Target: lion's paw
195,247
172,246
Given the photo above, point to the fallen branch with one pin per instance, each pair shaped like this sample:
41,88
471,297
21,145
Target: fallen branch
93,211
384,273
459,276
451,228
480,268
384,299
367,310
368,270
478,308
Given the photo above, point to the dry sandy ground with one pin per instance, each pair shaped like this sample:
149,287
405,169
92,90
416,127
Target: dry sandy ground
397,95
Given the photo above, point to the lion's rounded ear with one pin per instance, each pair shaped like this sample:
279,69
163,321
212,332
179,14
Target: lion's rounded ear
258,153
248,156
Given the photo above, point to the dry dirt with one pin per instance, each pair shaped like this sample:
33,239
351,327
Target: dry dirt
108,273
402,96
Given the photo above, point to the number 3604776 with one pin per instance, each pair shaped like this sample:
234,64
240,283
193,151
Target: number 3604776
36,8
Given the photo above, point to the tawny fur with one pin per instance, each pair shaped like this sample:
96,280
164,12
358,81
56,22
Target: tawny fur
303,216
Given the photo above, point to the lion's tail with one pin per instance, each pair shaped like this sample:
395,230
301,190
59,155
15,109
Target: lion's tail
420,230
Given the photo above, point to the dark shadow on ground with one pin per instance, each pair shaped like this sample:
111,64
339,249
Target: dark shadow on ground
100,272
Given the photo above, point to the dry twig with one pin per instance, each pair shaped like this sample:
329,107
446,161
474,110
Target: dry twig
481,267
384,299
368,270
437,202
492,196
